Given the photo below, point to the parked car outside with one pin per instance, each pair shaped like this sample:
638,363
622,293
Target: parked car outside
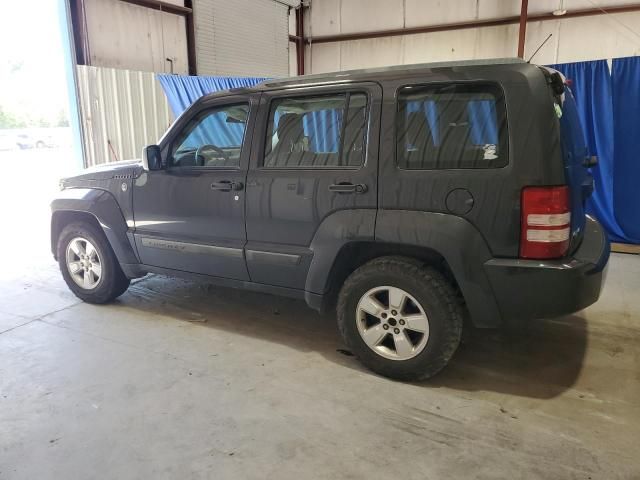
35,140
45,141
407,198
24,141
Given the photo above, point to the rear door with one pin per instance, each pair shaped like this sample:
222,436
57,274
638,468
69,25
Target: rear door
316,152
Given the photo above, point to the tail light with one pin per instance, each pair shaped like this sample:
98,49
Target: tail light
546,222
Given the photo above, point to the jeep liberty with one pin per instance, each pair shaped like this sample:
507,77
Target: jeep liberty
408,198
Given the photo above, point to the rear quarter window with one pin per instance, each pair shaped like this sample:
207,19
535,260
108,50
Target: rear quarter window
449,126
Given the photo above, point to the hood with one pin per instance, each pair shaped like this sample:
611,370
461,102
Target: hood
121,169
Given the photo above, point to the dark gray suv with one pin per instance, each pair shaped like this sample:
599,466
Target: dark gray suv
407,197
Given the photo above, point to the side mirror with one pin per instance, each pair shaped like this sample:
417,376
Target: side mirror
151,158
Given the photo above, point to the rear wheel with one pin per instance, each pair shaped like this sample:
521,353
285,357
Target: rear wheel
88,264
401,319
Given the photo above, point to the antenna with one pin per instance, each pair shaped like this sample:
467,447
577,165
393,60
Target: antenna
538,49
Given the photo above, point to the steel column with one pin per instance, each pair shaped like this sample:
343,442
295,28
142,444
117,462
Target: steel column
299,39
79,30
191,39
522,33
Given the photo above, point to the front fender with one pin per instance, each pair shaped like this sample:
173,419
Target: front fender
103,206
459,243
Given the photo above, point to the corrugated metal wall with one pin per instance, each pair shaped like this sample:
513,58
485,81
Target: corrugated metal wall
122,112
242,37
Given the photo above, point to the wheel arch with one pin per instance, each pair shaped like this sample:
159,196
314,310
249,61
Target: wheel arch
99,208
447,242
62,218
353,255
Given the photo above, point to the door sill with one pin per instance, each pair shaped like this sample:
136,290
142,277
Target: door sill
139,270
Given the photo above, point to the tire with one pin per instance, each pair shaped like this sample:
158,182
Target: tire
111,282
406,355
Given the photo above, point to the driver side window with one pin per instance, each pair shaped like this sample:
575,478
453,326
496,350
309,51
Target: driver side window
213,138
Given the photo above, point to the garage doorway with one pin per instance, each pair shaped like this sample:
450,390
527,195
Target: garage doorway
39,134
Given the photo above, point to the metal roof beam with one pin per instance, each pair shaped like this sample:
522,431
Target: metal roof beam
491,22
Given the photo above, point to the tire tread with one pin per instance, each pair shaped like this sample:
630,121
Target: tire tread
432,279
114,285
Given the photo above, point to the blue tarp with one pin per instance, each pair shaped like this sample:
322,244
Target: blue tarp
323,129
626,139
215,129
609,119
183,90
482,117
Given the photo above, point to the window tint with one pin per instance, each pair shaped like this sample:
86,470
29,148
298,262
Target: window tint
451,126
322,131
212,139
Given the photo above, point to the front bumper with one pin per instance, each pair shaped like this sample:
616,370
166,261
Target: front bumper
529,289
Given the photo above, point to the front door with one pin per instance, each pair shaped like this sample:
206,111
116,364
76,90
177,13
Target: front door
313,171
190,215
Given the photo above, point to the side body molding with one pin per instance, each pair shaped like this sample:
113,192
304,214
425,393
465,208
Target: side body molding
461,245
103,206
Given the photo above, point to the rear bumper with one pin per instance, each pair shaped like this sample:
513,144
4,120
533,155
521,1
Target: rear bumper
529,289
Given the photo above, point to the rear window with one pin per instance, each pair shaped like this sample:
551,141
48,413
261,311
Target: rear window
451,126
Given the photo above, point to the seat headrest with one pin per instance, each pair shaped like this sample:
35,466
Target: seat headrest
290,127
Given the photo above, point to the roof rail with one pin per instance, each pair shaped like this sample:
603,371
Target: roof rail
345,74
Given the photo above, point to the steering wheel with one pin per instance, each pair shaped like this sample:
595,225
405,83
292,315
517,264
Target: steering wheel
199,158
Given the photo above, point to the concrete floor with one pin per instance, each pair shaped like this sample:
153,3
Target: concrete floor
183,380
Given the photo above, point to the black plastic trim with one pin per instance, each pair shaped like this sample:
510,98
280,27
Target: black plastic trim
531,289
186,247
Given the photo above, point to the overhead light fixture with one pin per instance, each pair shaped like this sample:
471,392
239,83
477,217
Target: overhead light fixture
560,10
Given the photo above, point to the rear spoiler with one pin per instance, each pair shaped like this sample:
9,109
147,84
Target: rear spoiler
555,79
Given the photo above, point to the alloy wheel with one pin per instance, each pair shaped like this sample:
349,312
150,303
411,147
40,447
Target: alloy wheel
392,323
84,263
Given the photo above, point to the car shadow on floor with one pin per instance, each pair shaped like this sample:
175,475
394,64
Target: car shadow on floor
541,361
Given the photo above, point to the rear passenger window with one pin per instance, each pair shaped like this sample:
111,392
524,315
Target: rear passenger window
317,132
451,126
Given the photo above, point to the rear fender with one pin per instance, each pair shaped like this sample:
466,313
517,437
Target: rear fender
459,243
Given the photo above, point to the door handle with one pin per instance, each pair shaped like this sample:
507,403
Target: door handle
227,186
348,187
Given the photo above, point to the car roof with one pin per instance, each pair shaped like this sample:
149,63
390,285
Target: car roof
367,74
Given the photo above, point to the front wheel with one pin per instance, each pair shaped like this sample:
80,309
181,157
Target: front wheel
88,264
401,319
